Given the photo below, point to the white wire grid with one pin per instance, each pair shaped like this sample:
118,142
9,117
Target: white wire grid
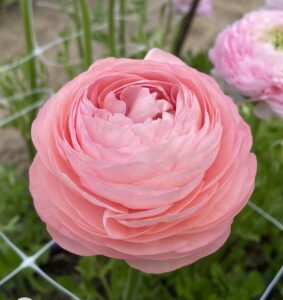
30,261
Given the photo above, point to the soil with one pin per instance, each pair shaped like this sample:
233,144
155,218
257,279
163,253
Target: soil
49,22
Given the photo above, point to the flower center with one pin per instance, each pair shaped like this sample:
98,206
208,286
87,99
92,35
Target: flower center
142,104
137,103
276,38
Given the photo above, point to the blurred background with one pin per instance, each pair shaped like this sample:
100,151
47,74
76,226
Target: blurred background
42,46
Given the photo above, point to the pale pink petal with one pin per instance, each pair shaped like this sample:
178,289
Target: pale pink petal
163,57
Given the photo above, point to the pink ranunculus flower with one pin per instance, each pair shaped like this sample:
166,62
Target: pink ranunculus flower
141,160
248,55
183,6
274,4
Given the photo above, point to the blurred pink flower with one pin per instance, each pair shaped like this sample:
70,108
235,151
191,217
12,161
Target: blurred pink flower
141,160
248,55
274,4
183,6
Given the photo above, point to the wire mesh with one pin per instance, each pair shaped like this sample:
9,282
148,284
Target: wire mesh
31,261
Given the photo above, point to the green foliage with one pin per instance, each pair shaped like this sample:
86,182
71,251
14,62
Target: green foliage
8,259
18,219
6,3
199,61
14,86
29,284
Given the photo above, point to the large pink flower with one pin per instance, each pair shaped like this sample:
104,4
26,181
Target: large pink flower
249,56
183,6
141,160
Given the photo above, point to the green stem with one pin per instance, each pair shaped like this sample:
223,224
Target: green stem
76,18
27,15
107,288
256,125
30,147
142,22
168,24
111,28
184,28
134,280
122,32
26,8
84,5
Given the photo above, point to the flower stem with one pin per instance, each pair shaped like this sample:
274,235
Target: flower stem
122,32
30,147
27,15
134,280
142,21
255,128
111,28
77,22
85,10
184,28
26,8
168,24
